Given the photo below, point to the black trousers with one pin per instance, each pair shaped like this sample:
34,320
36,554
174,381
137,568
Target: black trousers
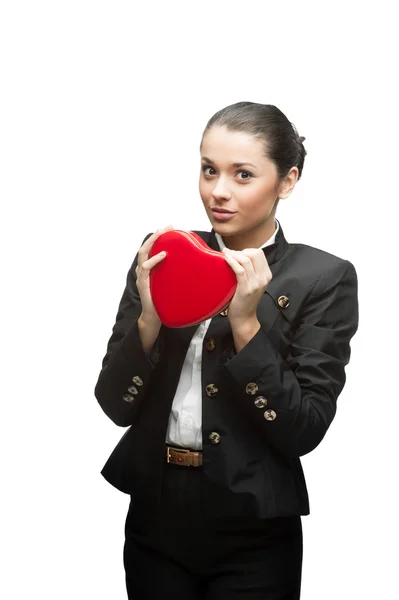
181,554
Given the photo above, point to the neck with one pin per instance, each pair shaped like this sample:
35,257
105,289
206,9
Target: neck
252,238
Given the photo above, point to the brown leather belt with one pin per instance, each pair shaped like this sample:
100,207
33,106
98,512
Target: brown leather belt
183,457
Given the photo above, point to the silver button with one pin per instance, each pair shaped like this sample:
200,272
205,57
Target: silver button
251,388
132,390
128,398
283,301
260,402
211,390
270,415
137,380
214,436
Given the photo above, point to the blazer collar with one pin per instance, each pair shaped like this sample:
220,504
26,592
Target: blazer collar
273,252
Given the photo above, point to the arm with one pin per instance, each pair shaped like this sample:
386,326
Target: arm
303,388
133,351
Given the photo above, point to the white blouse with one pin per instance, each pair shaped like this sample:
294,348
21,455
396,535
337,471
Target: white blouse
185,420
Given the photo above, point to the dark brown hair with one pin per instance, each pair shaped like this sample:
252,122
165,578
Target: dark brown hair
281,141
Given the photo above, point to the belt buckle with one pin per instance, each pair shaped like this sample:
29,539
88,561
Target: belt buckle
182,450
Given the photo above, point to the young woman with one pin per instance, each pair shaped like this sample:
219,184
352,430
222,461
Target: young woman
220,413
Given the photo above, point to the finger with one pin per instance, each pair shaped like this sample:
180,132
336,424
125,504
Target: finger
154,259
257,269
244,261
259,261
251,251
151,262
148,244
238,269
255,254
157,233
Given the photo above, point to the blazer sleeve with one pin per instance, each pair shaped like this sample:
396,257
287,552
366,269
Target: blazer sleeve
126,367
301,389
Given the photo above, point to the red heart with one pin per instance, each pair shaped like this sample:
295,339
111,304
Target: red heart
192,283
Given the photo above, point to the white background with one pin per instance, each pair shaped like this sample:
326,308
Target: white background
102,109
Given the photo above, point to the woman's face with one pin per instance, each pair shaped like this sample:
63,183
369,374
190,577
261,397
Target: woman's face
249,190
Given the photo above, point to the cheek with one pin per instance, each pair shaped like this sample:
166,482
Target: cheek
201,188
252,202
255,200
205,188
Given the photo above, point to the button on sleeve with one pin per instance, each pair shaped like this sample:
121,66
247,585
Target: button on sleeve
126,368
302,388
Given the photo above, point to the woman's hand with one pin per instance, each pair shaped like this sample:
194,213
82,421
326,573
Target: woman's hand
253,276
144,266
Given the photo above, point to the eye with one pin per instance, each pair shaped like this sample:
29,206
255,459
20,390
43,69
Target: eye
206,167
247,173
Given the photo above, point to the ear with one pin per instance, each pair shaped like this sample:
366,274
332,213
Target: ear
288,183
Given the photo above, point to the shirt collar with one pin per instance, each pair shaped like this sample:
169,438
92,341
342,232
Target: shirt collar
274,248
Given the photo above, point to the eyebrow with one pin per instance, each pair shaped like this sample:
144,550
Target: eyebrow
236,164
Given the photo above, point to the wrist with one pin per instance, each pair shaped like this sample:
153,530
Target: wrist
244,331
245,325
149,321
148,331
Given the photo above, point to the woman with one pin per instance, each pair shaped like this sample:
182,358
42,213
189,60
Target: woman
220,413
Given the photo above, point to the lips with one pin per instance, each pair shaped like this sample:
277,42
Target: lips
222,211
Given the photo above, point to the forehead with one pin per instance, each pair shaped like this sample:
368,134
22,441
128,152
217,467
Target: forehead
232,146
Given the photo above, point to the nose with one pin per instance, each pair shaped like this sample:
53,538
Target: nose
221,190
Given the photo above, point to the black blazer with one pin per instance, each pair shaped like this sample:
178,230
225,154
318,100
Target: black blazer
269,404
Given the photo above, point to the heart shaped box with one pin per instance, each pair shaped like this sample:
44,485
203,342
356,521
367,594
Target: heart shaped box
192,283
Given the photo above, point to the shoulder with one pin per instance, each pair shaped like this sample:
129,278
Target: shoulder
319,259
297,251
309,272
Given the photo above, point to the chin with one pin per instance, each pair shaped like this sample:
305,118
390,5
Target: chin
225,229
